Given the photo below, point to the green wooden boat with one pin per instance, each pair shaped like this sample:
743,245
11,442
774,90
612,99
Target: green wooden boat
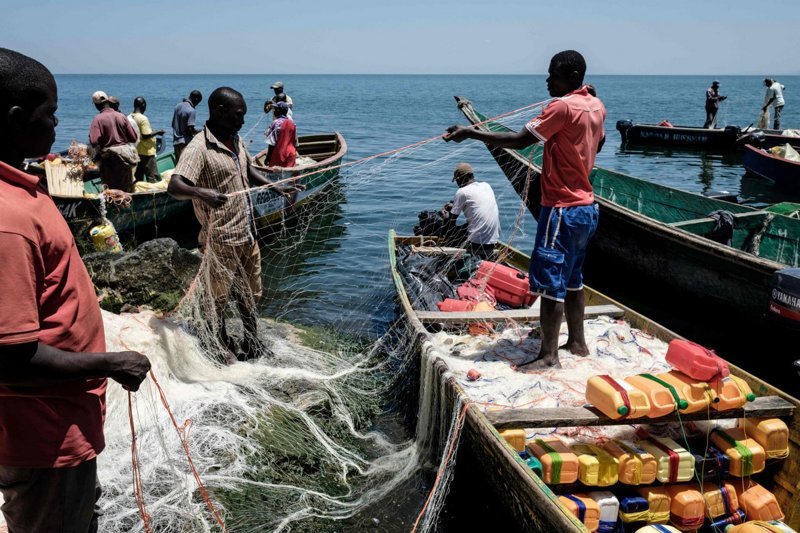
660,234
527,500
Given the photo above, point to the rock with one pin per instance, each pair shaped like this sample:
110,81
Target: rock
156,275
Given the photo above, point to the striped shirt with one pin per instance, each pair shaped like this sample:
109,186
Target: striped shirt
207,163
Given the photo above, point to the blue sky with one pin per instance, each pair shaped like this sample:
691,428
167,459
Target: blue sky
404,37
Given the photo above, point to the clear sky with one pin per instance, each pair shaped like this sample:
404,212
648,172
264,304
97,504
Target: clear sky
404,36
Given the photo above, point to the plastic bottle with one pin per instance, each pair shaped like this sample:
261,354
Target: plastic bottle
674,462
771,433
733,392
697,394
559,464
636,466
695,361
758,503
616,399
584,508
596,467
687,508
664,399
746,456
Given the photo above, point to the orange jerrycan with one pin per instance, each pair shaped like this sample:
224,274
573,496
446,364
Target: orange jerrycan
559,464
636,466
758,503
746,456
687,508
616,399
659,501
771,433
675,463
732,392
698,394
515,438
596,467
664,399
583,507
761,526
720,499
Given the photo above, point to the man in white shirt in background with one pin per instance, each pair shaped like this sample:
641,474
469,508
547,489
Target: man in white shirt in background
476,200
774,97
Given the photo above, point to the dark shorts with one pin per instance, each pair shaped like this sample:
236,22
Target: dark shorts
562,235
47,500
147,169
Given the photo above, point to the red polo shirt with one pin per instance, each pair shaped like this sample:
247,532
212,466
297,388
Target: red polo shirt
571,127
46,295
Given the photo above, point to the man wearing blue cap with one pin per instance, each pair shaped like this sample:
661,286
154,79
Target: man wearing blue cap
713,98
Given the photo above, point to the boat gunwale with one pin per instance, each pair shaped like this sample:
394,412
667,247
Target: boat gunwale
340,153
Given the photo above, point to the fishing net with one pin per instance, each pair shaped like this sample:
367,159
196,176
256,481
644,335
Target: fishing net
305,436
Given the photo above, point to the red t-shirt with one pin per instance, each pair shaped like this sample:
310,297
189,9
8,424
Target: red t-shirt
571,128
46,295
282,134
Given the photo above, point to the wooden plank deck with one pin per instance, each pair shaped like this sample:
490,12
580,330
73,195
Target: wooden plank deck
519,315
765,406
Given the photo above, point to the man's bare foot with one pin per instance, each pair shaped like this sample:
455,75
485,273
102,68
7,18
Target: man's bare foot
575,348
544,363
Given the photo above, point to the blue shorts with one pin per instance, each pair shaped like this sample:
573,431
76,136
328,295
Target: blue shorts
562,236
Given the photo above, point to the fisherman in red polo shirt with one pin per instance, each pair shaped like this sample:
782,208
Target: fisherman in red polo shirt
53,359
282,138
571,128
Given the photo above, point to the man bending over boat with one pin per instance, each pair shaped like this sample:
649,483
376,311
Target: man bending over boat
215,171
53,359
476,200
571,128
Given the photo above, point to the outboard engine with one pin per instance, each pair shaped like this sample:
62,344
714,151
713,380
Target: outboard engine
784,299
622,127
733,131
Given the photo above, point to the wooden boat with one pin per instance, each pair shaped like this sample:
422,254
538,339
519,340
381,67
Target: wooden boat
758,161
529,500
326,150
659,233
726,139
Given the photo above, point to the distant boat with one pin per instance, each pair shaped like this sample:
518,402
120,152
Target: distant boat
661,234
759,161
726,139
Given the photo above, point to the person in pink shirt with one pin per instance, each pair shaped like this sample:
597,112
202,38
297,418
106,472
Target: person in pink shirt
571,128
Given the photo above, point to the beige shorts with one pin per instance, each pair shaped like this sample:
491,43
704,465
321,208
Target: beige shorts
236,268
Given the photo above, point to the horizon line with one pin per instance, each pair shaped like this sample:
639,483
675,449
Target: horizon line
386,74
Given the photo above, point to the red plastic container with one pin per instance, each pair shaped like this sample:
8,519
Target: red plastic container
696,361
449,305
511,287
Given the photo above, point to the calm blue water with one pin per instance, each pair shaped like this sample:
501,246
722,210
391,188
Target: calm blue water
345,282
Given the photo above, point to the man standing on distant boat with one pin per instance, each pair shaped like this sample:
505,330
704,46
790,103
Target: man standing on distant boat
713,98
774,97
147,169
53,359
281,138
183,122
113,138
476,200
214,172
571,128
280,96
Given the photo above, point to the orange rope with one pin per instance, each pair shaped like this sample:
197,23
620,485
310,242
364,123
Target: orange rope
386,153
443,466
138,491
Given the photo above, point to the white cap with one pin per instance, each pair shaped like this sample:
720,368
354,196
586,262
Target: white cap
99,97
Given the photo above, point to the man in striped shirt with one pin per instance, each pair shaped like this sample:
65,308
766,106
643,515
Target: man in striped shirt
215,172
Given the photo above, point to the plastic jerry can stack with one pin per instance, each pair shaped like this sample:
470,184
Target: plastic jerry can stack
772,434
636,466
713,465
746,456
697,394
720,499
758,503
674,462
596,467
584,508
658,502
761,526
511,287
634,510
515,438
616,399
696,361
664,399
732,393
559,464
658,528
609,510
687,508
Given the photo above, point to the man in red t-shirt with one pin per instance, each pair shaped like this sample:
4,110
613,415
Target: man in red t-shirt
571,128
282,138
53,359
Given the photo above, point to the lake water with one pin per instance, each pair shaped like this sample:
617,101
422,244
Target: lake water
341,279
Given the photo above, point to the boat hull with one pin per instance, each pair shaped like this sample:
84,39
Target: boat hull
782,172
717,139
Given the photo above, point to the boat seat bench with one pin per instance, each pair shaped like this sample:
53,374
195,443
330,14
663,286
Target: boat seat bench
708,220
521,315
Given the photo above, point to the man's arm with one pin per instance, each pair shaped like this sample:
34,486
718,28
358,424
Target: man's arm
190,123
35,364
521,139
768,103
183,189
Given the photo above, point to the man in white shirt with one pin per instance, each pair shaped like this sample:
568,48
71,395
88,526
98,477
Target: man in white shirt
774,97
476,200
